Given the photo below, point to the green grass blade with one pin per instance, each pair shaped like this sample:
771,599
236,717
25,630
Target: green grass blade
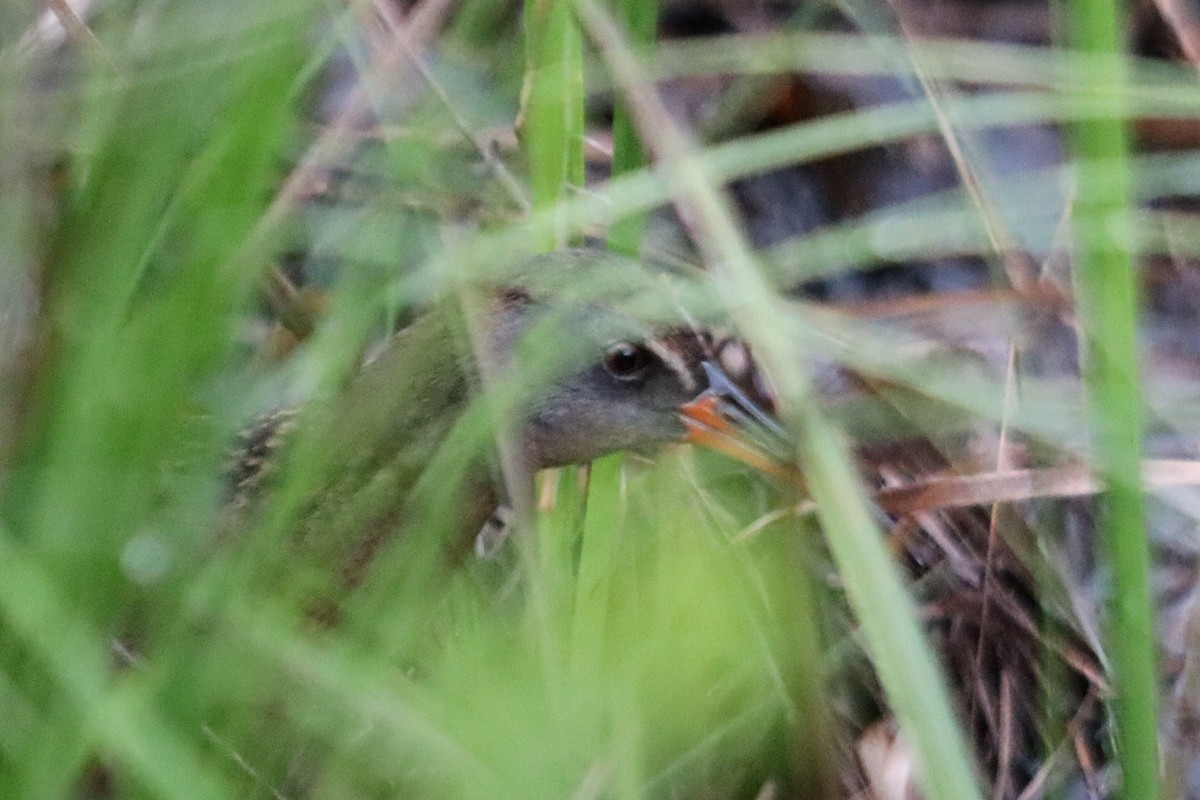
908,669
906,666
117,722
553,105
602,525
1108,300
640,18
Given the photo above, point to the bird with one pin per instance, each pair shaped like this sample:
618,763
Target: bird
590,351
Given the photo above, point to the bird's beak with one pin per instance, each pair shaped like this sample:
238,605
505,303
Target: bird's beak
723,418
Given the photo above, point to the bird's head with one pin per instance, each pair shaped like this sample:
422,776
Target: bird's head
619,357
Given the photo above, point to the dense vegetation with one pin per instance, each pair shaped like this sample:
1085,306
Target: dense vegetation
941,229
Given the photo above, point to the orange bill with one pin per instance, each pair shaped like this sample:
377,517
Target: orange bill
723,418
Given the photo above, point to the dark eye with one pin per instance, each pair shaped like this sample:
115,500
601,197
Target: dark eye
627,362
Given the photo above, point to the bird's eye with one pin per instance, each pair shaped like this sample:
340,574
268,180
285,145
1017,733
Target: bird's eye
627,362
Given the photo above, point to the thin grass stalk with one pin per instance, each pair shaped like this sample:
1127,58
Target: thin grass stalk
602,524
865,54
603,520
906,665
1107,289
553,120
552,127
640,18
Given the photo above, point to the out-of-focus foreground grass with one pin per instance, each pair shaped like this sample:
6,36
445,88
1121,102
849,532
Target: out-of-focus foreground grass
146,198
671,633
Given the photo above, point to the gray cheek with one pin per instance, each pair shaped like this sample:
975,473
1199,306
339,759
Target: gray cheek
555,437
673,429
576,432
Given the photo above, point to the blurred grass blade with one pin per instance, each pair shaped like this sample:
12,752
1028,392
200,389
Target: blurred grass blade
602,524
1108,301
553,121
605,512
640,18
906,665
115,722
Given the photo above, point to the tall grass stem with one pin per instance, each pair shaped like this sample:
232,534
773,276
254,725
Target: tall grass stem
1107,287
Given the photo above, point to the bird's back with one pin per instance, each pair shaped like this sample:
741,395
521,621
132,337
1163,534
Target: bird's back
357,461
